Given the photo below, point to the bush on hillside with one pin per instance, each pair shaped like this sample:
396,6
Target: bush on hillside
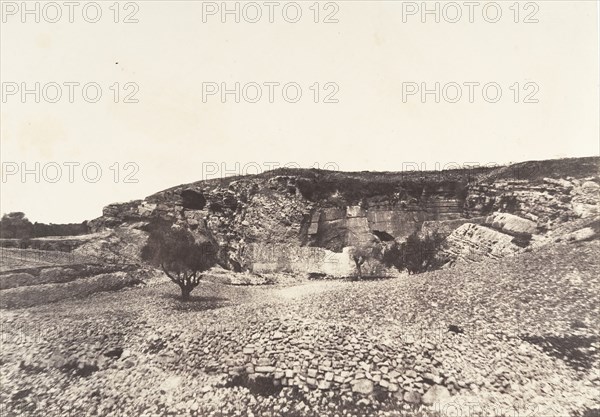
365,251
419,253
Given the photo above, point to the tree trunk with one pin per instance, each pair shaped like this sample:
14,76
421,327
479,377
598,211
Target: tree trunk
185,293
358,268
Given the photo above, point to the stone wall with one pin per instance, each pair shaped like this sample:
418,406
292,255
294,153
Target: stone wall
335,228
264,258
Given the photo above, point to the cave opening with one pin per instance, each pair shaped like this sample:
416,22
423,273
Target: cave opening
193,200
383,236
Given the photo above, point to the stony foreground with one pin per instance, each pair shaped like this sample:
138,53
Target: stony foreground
520,336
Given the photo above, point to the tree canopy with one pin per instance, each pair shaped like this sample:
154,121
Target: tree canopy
180,254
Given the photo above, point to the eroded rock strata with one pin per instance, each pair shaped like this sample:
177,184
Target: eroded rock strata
301,221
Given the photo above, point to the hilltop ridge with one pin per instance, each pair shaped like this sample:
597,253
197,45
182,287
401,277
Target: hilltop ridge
312,215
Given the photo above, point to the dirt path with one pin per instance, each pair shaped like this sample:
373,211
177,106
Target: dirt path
306,289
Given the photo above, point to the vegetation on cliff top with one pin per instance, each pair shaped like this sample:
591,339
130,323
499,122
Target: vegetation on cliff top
353,187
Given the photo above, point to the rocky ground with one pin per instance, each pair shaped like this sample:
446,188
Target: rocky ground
516,337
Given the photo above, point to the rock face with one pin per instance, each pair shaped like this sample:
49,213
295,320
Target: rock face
546,202
299,259
585,199
525,213
300,221
511,224
445,227
472,242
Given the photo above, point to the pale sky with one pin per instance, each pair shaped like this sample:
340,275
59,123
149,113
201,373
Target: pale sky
370,54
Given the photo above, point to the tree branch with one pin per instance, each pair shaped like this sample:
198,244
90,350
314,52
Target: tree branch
171,277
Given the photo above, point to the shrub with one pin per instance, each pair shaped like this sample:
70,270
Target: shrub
419,253
363,252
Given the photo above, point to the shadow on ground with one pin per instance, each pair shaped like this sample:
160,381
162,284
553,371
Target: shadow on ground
196,302
576,351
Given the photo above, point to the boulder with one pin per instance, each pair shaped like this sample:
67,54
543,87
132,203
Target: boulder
509,223
590,187
587,233
559,182
362,386
412,397
437,394
265,369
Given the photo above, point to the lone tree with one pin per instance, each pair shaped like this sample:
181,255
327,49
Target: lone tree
364,251
180,255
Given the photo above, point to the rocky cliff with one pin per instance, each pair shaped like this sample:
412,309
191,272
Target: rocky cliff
299,220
